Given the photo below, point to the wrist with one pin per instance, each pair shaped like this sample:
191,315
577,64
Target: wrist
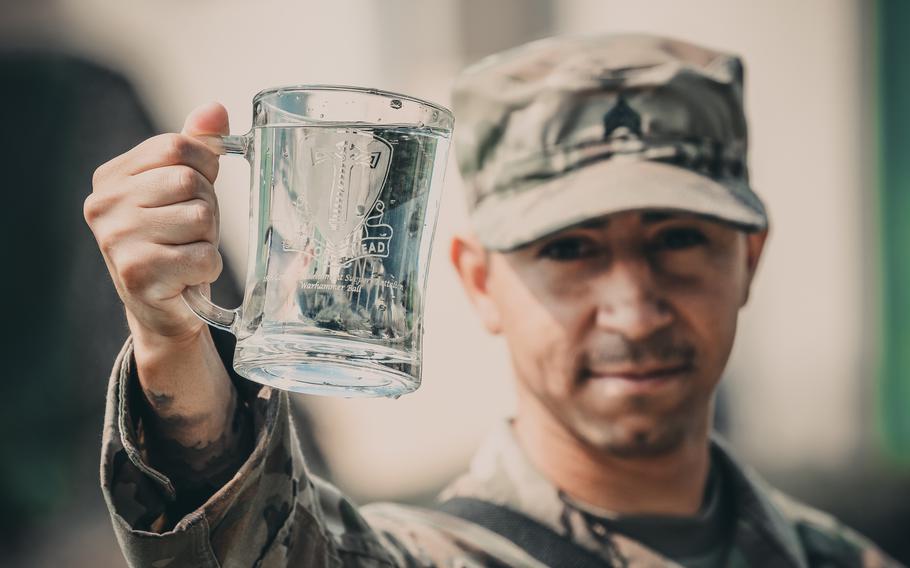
154,344
184,382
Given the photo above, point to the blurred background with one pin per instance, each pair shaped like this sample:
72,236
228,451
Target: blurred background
817,393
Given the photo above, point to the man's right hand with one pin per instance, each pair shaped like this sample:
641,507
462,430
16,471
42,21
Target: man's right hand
154,214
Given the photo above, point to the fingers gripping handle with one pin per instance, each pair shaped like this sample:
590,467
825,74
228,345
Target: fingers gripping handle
195,296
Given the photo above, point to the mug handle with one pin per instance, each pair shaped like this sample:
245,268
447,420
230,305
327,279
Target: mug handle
193,296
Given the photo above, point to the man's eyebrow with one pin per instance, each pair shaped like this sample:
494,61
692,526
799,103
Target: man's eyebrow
652,217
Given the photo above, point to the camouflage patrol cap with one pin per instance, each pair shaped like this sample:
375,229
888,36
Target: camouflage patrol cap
563,130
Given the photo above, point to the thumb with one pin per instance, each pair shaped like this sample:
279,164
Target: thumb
211,118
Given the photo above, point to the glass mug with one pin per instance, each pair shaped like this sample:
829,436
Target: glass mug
345,188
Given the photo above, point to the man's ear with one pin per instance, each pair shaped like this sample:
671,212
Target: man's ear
755,244
472,263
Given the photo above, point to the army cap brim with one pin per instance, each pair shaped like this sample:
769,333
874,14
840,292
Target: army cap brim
508,220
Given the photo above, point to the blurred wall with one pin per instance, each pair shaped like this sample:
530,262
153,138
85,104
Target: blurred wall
893,113
801,369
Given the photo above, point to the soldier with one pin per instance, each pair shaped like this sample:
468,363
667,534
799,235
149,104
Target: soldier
615,238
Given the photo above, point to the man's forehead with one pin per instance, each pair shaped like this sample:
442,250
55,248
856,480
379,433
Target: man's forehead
648,217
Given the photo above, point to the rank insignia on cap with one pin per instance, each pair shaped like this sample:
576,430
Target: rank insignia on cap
621,121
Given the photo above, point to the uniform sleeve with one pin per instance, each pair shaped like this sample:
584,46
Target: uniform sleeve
271,513
834,544
827,541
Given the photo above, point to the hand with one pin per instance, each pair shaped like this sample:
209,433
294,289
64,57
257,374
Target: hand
154,214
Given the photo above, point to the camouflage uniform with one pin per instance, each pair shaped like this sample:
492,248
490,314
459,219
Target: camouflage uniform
273,513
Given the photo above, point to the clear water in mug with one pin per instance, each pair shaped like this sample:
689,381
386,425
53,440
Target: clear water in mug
334,299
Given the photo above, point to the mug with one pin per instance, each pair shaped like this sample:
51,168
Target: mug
345,189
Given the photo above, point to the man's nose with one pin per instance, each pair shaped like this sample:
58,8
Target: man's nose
629,301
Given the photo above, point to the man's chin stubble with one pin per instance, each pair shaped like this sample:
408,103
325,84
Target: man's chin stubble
627,442
642,444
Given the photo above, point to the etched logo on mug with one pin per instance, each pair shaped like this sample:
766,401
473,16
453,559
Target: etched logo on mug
343,180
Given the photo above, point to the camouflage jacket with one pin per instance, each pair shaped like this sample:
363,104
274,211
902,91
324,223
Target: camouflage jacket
273,513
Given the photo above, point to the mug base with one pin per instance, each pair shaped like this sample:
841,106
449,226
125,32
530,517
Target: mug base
328,366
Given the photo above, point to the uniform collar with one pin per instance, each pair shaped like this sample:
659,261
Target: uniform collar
501,473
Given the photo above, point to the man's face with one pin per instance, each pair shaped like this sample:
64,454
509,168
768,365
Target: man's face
619,329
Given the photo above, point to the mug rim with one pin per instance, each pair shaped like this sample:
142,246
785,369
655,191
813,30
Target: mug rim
354,89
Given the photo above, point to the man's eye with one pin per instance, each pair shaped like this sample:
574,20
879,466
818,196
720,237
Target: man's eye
572,248
680,239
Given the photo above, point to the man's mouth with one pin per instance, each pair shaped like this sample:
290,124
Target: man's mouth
637,379
639,373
